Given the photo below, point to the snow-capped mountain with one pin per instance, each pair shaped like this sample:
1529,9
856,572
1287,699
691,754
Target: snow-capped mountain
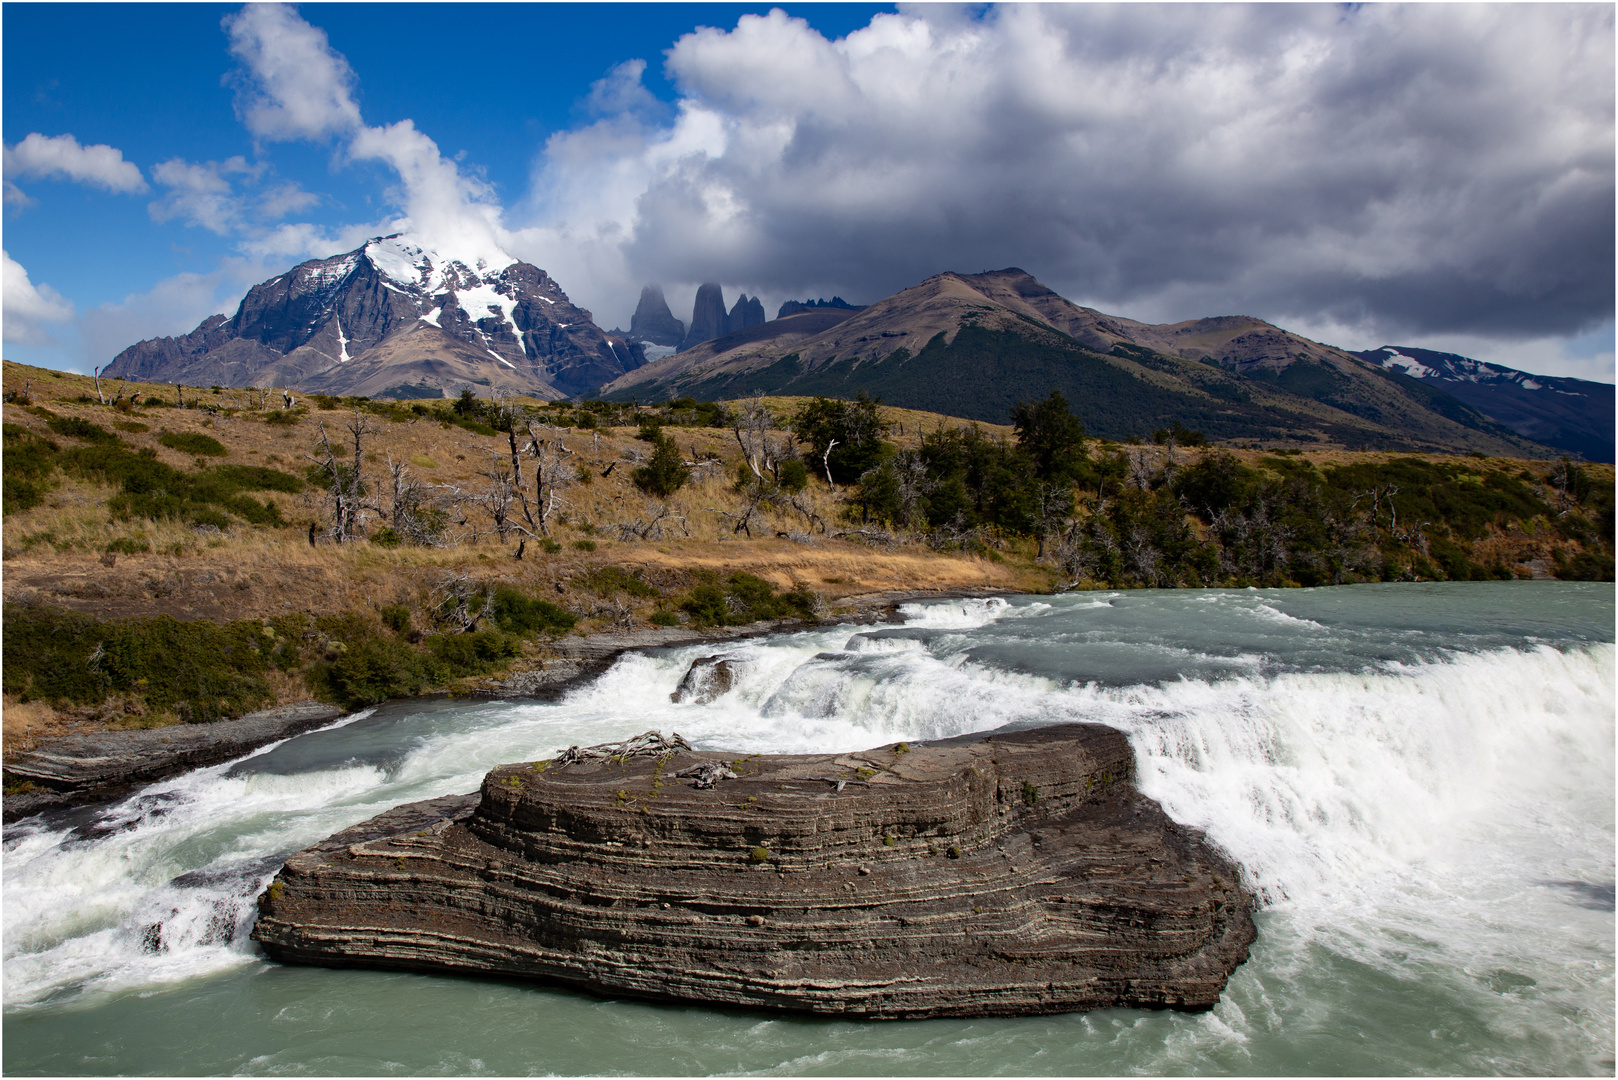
1575,415
393,319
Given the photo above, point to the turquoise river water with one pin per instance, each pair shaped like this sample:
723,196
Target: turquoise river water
1417,780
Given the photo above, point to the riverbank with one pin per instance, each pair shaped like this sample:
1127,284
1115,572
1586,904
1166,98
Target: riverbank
92,764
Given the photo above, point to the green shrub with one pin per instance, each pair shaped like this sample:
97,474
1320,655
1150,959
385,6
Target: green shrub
128,545
665,617
585,545
742,599
665,472
284,417
201,671
192,442
386,537
607,580
130,426
30,469
515,612
75,428
472,653
370,670
794,475
396,617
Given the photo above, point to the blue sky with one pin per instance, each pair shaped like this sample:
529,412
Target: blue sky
1432,176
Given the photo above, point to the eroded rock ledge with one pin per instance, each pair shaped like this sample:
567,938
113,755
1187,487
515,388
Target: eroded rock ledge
1009,874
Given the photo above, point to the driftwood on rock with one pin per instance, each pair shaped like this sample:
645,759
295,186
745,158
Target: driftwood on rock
646,744
987,876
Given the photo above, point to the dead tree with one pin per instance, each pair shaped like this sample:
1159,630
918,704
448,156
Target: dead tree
752,425
95,373
413,519
346,484
498,495
551,474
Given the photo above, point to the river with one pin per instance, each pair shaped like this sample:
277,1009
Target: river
1417,780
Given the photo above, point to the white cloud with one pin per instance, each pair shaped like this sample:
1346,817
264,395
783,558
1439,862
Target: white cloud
175,305
300,87
293,85
1416,168
61,157
199,193
206,194
28,307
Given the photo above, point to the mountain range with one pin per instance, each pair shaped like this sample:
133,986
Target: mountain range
393,319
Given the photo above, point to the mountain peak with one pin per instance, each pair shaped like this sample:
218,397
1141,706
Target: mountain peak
393,313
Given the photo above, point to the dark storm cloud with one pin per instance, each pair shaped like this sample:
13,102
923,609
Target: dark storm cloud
1404,169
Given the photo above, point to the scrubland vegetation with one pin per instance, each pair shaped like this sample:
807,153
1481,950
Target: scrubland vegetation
190,554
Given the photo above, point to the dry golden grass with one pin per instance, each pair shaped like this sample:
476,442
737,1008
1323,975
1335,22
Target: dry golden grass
54,553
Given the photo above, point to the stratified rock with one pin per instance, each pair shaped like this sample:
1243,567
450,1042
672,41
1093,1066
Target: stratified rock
654,321
708,678
1018,873
708,319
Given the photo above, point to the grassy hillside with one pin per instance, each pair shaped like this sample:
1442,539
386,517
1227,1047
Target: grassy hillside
216,527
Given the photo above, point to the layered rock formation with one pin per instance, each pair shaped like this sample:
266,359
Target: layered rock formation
1017,873
653,320
392,319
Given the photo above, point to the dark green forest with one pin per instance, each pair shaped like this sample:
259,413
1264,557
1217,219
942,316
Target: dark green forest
1176,513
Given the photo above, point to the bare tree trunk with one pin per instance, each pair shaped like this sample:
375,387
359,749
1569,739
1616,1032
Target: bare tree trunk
95,374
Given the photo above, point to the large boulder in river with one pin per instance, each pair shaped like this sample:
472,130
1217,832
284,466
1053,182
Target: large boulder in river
985,876
707,679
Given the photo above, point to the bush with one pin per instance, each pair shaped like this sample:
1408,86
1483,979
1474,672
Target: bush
386,537
517,613
30,469
585,545
742,599
610,579
75,428
192,442
128,545
370,670
199,670
396,617
665,473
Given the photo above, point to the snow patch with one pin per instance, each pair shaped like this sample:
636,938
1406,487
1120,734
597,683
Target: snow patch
432,317
398,259
1412,367
342,343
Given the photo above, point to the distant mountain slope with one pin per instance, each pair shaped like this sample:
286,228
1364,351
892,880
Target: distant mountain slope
392,319
1575,415
975,344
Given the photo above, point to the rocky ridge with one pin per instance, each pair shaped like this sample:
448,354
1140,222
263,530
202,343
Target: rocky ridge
1007,874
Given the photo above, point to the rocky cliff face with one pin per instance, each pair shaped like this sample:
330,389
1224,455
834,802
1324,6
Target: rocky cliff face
1018,873
390,317
653,320
709,319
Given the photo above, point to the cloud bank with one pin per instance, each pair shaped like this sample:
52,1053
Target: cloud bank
61,157
29,308
1396,170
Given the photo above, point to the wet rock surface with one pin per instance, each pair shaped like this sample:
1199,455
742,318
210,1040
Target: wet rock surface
1010,874
708,678
77,769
